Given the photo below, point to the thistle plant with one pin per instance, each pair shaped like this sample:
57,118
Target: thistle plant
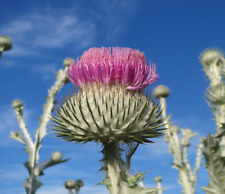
111,108
178,146
5,44
32,147
213,63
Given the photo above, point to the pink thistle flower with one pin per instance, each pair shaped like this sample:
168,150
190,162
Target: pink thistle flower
121,66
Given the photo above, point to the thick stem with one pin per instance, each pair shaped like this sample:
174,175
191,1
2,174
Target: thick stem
115,171
112,158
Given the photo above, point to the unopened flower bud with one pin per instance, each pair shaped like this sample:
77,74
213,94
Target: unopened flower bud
17,105
5,43
161,91
70,184
56,156
158,179
174,129
67,62
79,183
213,61
211,56
188,133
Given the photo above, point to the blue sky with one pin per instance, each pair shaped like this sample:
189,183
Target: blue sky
171,33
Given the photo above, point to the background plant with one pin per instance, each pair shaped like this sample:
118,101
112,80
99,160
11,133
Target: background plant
213,63
34,168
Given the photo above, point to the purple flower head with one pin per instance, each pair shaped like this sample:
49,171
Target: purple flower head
109,66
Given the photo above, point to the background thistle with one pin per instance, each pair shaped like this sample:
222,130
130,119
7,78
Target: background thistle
32,147
214,146
178,145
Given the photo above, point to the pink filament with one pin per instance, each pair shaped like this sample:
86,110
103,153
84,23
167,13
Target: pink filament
121,65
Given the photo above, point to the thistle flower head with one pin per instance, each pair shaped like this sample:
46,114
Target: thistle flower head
109,66
110,104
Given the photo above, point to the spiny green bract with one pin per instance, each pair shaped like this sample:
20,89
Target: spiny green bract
107,113
216,94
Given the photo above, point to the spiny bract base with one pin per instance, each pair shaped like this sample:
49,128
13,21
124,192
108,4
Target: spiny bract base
104,113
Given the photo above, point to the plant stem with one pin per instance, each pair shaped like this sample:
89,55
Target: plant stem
159,187
115,171
70,191
112,162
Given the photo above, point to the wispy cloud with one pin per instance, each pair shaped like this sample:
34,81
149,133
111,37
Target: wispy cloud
115,16
76,26
46,71
38,31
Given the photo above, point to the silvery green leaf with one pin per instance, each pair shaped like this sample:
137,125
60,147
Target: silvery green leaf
215,165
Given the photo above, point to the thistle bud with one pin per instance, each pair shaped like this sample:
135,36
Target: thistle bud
17,105
174,129
158,179
70,184
5,43
79,183
56,156
187,135
213,61
68,61
211,56
161,91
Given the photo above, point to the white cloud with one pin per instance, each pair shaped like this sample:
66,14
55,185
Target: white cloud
32,32
46,71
